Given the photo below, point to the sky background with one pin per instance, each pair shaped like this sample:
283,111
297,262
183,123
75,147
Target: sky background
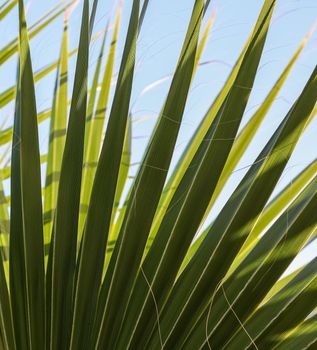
159,45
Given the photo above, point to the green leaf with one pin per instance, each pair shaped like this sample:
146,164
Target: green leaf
57,137
281,313
6,134
248,132
93,90
4,224
196,187
275,207
6,324
134,232
192,146
281,284
260,270
17,265
193,194
8,95
282,200
193,248
143,12
99,214
26,231
62,260
124,170
203,42
303,337
128,267
5,173
200,49
210,264
95,126
122,178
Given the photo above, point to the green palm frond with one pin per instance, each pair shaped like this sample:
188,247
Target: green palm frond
96,259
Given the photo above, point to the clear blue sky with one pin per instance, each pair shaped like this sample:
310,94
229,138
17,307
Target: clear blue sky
158,48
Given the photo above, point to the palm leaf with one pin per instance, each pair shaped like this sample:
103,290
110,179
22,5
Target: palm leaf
128,266
26,231
303,337
272,319
64,244
135,228
102,196
57,137
238,216
95,126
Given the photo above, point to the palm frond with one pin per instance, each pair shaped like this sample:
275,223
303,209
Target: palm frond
95,258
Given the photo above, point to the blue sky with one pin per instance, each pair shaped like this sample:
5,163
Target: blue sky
158,48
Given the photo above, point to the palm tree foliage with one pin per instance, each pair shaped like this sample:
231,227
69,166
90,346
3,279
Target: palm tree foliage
81,271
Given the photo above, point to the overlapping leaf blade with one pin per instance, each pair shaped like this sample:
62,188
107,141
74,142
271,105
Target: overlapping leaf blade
26,232
303,337
297,299
200,50
248,132
142,204
64,241
192,146
260,270
57,137
137,280
90,266
95,127
4,224
193,194
235,221
275,207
